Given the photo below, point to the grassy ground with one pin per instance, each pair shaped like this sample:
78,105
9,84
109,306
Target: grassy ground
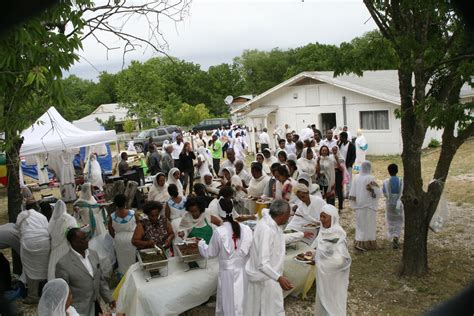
375,287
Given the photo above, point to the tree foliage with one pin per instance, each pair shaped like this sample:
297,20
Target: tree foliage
187,115
435,53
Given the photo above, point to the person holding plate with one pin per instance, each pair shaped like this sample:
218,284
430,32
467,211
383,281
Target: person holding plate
333,264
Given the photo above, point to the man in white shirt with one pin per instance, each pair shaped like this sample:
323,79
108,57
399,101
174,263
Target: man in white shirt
177,149
265,265
329,141
290,146
264,139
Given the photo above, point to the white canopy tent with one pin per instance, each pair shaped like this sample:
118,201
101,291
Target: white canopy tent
52,133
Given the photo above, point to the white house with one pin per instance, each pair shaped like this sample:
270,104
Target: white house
366,103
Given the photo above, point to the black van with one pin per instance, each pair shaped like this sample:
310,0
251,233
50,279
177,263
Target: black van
211,124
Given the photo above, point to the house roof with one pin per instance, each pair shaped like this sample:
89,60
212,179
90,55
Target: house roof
104,111
262,111
380,84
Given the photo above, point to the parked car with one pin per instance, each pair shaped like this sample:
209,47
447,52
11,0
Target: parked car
211,124
159,134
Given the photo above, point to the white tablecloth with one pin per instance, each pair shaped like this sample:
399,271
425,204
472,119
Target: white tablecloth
170,295
181,291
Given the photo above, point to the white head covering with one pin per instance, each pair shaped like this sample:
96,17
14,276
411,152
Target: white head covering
300,187
292,156
158,193
86,194
306,165
366,168
335,231
171,179
230,170
54,297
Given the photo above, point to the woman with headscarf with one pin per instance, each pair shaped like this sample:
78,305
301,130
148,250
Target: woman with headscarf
34,250
326,174
88,211
175,206
159,189
122,224
308,210
173,178
95,172
364,197
307,163
58,225
333,263
313,188
92,218
212,187
268,158
239,147
56,300
231,242
204,162
260,159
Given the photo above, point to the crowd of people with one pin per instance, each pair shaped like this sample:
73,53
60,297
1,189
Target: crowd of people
198,194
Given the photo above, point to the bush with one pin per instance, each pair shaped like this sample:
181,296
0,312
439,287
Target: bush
434,143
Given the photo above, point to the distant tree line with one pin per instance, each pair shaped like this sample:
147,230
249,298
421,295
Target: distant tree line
180,92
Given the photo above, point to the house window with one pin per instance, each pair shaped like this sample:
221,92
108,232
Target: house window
374,120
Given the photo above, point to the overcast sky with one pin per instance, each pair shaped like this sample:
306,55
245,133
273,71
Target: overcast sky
216,31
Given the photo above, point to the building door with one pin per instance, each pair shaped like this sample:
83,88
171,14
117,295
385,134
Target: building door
327,121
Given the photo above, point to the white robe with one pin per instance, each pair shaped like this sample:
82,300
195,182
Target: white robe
232,280
332,268
125,250
306,214
42,167
265,266
361,150
35,243
60,221
365,206
95,173
239,148
67,181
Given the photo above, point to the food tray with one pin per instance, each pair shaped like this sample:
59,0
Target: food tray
195,256
153,267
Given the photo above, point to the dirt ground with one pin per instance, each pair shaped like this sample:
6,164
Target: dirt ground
375,287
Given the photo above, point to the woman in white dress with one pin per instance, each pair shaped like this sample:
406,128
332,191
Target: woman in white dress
204,162
175,207
326,174
268,159
235,182
364,199
231,242
159,189
56,300
59,223
95,172
284,185
173,178
333,263
239,147
308,210
34,250
122,225
307,163
89,214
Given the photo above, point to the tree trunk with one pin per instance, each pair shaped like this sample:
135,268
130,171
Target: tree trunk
415,254
13,188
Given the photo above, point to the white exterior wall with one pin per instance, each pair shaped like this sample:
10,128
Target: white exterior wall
312,100
301,105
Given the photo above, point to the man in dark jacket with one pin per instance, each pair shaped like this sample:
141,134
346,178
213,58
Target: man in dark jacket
154,160
348,152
